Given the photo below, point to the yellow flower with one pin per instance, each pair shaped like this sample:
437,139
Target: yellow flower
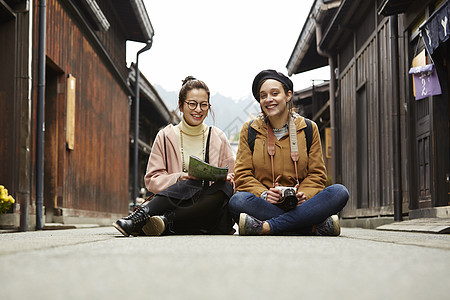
5,200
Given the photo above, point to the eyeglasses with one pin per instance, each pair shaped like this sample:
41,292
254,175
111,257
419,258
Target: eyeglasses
193,105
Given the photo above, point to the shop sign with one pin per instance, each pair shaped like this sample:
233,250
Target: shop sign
426,81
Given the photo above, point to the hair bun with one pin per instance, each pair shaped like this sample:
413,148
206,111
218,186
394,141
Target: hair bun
187,79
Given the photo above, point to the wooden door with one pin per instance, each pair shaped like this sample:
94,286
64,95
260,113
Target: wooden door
362,169
53,140
423,147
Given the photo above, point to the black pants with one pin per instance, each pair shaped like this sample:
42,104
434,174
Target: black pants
205,214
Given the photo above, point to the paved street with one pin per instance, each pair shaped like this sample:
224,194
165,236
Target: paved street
98,263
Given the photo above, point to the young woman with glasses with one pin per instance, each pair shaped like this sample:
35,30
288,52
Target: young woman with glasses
183,204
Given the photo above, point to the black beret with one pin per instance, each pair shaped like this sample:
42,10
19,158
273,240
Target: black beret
270,74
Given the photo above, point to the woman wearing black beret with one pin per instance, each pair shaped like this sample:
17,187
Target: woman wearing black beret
279,172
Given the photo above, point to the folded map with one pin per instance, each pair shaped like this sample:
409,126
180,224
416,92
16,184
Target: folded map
205,171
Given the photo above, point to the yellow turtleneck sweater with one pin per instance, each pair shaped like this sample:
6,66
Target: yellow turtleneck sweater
192,141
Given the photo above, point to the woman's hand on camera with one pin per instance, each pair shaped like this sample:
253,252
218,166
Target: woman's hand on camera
230,177
273,195
301,197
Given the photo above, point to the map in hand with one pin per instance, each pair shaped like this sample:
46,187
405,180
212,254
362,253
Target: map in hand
205,171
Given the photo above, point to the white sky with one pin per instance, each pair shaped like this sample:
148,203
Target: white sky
224,43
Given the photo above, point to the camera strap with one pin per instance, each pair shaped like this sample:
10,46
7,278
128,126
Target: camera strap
294,145
292,141
271,148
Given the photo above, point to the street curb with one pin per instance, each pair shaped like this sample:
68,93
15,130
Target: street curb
60,226
425,225
366,223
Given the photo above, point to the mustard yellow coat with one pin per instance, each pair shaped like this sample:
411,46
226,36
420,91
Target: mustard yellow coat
253,172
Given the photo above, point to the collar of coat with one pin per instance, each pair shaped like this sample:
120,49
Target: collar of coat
260,123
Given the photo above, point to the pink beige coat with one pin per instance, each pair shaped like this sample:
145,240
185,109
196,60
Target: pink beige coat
158,177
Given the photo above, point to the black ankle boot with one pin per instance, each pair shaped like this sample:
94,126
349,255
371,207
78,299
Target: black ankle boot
157,225
132,225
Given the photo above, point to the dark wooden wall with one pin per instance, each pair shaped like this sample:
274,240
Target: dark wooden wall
94,175
7,100
366,122
366,100
428,118
15,105
113,38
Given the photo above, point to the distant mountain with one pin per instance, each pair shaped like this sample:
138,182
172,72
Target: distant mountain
170,98
229,114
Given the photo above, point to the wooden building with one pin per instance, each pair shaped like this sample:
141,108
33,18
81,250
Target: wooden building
15,102
86,107
153,115
313,103
389,149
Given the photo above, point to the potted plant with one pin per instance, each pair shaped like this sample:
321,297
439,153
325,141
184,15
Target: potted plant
5,200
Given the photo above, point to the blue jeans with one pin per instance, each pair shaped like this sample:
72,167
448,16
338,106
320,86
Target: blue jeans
329,201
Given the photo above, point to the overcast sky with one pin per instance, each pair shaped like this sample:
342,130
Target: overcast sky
224,43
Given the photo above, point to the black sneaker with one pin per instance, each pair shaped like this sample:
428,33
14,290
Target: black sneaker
329,227
132,225
249,225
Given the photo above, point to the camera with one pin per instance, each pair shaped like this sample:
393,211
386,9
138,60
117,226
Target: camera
288,198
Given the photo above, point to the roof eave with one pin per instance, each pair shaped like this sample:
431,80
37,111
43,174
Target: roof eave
150,93
305,56
143,19
393,7
348,15
303,41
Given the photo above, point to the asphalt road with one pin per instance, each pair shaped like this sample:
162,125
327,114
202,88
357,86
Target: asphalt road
98,263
